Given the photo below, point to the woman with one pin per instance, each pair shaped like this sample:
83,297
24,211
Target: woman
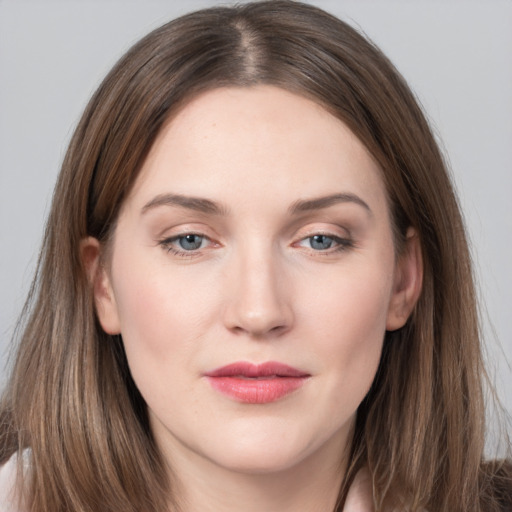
255,290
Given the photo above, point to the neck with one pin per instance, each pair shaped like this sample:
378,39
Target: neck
309,486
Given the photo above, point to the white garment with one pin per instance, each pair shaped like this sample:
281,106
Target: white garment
7,485
359,497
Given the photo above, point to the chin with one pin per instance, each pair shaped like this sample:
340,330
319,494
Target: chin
258,461
260,452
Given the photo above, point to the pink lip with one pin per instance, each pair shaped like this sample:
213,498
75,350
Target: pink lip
256,384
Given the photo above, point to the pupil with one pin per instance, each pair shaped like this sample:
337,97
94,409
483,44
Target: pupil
191,242
321,242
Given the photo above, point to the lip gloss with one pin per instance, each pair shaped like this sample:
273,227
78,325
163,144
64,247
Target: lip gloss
256,384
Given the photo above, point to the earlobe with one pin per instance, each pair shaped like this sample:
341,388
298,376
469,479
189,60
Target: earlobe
408,282
104,299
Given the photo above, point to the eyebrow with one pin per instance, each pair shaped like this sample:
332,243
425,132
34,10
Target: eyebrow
307,205
207,206
198,204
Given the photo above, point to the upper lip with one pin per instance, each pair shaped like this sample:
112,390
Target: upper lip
246,369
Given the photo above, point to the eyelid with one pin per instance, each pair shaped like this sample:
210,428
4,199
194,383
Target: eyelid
167,243
322,228
169,227
341,244
343,241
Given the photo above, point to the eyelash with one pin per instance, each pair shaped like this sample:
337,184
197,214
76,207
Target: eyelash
166,244
343,244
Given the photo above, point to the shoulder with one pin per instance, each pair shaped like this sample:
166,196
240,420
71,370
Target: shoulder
8,485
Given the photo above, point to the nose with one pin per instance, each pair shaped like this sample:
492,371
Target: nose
258,296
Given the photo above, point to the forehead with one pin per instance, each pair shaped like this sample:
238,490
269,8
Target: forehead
258,142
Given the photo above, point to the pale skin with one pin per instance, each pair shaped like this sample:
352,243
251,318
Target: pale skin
289,259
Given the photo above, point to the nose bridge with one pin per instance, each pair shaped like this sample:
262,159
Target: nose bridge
258,302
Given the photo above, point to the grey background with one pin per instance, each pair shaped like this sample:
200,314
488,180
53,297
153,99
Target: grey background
456,55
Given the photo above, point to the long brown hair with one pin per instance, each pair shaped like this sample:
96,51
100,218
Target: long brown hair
71,399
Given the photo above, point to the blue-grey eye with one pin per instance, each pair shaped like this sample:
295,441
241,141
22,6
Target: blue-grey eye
321,242
190,242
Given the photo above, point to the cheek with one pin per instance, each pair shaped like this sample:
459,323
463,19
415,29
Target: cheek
349,321
158,314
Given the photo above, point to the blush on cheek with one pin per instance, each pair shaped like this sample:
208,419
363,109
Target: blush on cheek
141,310
354,335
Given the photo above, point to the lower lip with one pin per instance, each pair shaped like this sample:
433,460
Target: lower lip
256,391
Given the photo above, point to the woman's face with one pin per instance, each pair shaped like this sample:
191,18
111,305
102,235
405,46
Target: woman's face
252,277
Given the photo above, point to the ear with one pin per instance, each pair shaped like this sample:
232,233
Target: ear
104,299
408,280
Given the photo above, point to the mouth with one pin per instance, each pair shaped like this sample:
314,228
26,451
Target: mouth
256,384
